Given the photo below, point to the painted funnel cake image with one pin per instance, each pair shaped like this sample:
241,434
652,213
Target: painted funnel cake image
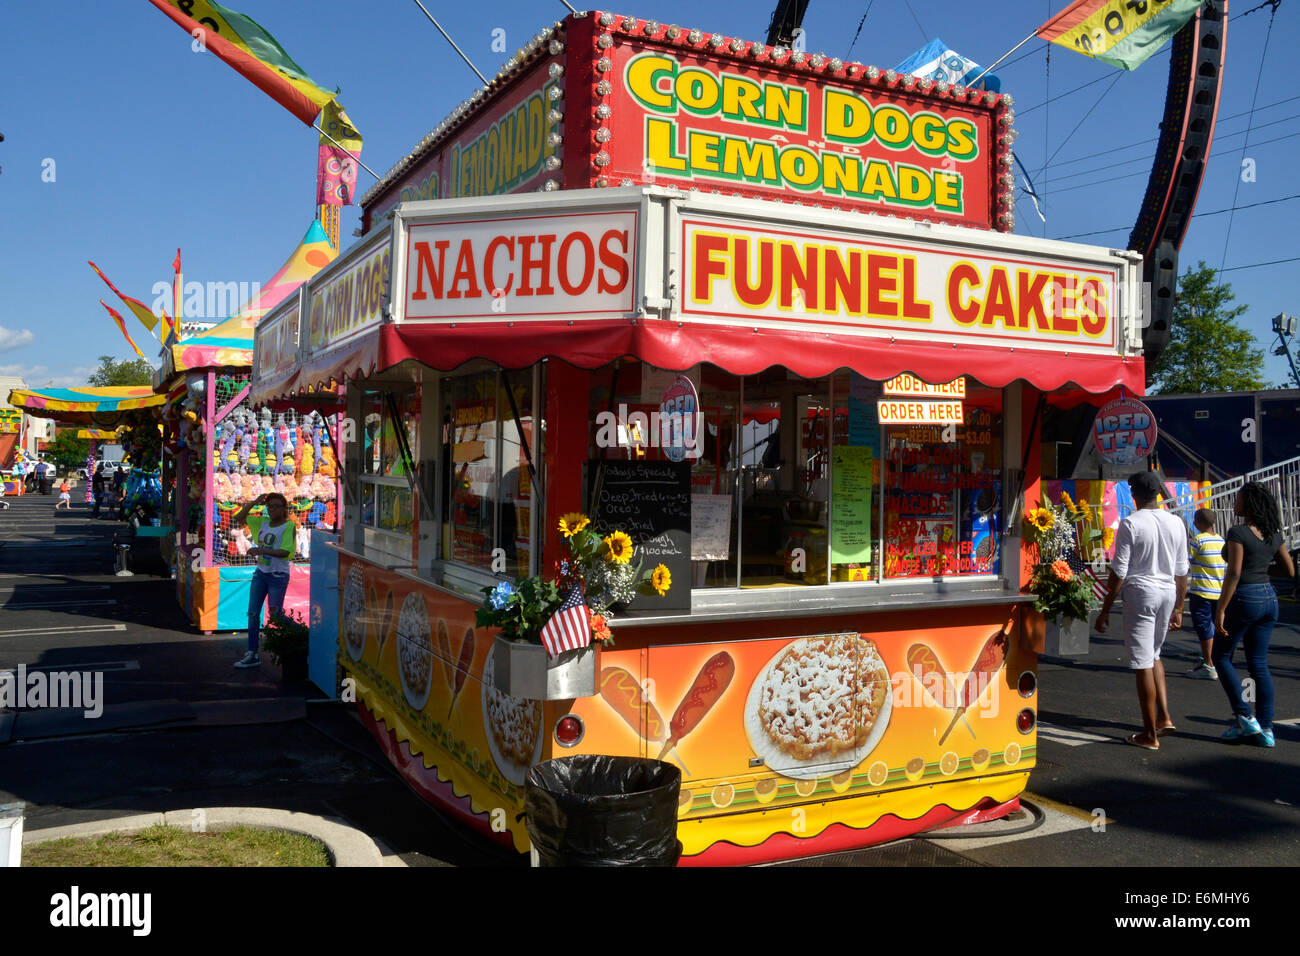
354,613
820,706
514,728
415,650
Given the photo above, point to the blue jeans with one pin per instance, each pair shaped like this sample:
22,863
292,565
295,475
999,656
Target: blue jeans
264,586
1203,616
1251,617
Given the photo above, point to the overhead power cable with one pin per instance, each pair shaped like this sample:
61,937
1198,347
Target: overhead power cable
1212,212
1148,157
859,30
1257,265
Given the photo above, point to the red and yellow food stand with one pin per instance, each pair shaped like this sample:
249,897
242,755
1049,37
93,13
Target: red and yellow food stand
762,312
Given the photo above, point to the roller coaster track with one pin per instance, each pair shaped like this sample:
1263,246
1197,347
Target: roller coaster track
1186,132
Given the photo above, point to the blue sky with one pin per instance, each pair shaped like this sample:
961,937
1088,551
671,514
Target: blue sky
155,146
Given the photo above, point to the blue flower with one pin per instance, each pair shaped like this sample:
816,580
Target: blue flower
500,596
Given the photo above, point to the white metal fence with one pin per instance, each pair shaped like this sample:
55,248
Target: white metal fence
1282,479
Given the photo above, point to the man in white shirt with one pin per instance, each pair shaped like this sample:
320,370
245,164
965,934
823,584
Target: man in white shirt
1151,561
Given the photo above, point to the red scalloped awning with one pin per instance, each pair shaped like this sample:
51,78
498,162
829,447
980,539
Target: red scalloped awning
673,345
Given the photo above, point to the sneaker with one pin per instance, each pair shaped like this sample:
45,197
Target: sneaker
1265,738
252,660
1242,727
1204,671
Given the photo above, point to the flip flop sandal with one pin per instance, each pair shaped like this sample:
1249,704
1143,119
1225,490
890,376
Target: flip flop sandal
1133,739
1165,731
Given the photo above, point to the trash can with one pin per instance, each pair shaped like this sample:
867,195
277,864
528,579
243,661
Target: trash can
596,810
11,834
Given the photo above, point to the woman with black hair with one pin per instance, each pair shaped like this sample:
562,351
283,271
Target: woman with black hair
1247,609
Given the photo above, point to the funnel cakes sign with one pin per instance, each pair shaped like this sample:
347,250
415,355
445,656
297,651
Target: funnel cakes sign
810,279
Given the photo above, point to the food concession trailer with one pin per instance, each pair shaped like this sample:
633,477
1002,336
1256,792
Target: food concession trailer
823,423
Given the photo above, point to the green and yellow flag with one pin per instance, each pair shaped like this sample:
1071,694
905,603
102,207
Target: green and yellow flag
1123,33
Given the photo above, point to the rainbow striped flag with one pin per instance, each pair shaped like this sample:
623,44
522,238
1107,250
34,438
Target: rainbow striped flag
1123,33
245,46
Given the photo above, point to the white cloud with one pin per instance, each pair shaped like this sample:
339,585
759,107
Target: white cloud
15,338
39,376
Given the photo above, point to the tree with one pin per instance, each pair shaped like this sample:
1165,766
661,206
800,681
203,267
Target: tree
1207,351
110,372
67,451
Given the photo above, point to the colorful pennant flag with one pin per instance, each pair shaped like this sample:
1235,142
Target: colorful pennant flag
939,62
177,286
340,152
138,308
1123,33
121,324
570,627
250,50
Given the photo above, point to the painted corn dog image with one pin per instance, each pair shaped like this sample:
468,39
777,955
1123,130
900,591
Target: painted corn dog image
620,690
708,687
923,664
385,623
444,654
462,667
991,658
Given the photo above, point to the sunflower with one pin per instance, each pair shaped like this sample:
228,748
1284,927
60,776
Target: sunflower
1086,509
1042,518
1068,502
661,580
1062,571
619,548
572,523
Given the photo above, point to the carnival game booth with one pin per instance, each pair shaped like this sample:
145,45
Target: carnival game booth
222,452
822,424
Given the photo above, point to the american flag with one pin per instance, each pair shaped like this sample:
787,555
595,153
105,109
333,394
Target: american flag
570,627
1081,567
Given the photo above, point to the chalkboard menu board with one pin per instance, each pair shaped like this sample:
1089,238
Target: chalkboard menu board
651,502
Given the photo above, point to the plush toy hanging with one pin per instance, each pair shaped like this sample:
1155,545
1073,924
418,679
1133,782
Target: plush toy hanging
265,444
247,449
287,443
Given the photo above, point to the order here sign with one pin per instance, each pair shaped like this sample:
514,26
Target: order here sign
899,412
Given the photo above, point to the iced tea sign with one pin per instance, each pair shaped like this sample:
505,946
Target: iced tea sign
1124,432
679,415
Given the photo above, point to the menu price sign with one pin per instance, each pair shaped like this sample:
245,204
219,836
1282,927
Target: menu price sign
651,502
710,527
850,504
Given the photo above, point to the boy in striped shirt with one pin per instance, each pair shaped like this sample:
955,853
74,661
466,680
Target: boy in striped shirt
1205,584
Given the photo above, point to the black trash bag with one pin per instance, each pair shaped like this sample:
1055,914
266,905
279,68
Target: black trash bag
596,810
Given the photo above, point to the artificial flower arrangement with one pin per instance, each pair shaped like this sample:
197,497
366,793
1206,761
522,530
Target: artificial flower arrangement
601,566
1056,583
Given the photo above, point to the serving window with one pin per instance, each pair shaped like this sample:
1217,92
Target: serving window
487,488
796,482
390,449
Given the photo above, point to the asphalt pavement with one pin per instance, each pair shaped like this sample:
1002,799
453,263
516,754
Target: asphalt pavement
182,728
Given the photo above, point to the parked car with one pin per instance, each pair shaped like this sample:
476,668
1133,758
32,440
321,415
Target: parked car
105,464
